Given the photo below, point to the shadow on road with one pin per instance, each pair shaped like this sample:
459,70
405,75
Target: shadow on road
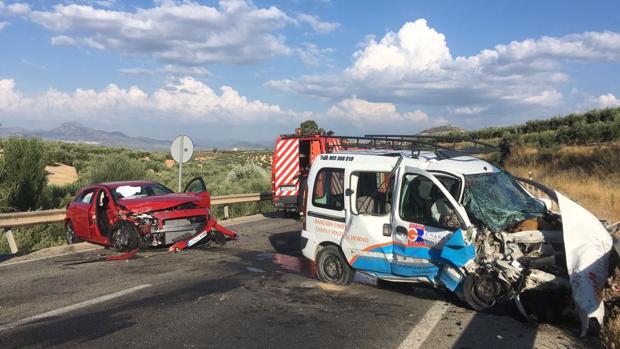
287,243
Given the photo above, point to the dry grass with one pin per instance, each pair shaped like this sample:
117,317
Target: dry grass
60,174
596,190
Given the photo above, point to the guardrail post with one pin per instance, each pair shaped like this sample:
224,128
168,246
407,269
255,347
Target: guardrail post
226,212
11,239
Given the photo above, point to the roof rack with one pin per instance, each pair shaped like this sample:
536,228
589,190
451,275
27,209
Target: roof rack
450,146
414,143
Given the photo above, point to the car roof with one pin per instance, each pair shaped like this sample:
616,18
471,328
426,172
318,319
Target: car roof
114,185
427,160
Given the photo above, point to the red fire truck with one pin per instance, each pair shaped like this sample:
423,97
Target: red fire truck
292,157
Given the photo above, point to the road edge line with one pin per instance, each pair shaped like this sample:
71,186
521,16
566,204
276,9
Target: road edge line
420,332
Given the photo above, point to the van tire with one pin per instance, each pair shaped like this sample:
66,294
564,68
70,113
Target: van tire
332,267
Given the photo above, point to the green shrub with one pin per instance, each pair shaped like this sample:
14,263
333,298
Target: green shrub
23,174
114,167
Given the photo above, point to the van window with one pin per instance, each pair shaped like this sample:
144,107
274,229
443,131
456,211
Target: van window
421,201
373,193
329,189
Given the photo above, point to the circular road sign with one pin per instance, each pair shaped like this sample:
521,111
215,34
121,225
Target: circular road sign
182,149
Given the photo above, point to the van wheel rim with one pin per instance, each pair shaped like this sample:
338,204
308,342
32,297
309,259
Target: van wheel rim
332,268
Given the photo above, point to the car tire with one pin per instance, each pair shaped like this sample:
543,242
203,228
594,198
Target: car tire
332,267
70,236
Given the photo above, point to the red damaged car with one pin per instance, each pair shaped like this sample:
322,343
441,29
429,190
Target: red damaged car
136,214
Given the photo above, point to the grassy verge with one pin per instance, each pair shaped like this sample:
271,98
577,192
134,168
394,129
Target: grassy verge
588,175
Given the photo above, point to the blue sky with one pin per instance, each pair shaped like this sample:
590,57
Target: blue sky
252,70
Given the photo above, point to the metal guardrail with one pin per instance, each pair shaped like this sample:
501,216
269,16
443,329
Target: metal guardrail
22,219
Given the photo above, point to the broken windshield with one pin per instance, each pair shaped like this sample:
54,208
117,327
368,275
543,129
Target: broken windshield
135,191
497,201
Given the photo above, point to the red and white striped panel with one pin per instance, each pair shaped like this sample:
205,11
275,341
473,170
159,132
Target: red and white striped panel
286,166
334,144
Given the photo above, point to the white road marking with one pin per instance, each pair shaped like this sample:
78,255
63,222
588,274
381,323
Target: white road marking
70,308
425,326
50,256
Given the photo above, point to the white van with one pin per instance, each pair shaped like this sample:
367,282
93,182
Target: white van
451,220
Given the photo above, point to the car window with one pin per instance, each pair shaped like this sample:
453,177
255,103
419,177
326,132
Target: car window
135,191
421,201
373,193
86,197
451,184
329,189
195,186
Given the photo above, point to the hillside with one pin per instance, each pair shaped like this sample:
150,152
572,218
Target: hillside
74,132
442,131
591,127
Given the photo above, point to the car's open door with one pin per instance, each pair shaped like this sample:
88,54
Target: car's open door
424,217
198,188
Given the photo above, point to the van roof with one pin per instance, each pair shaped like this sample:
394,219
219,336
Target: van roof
454,162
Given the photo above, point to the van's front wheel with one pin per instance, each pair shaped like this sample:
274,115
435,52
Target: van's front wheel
332,267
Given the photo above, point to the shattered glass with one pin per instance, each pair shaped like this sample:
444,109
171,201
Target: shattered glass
498,202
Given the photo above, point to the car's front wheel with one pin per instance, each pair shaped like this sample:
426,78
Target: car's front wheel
70,235
332,267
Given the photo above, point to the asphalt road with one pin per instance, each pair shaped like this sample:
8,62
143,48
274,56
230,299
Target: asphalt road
257,292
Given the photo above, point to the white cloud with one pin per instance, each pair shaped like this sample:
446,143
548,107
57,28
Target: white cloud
3,25
63,40
311,55
167,69
470,110
414,66
415,48
15,9
317,25
607,101
363,113
181,99
187,33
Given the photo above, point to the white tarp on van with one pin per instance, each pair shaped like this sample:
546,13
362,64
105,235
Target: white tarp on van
587,245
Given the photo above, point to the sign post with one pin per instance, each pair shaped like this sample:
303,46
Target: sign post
181,150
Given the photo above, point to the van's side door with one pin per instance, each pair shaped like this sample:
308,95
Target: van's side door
367,240
326,205
424,216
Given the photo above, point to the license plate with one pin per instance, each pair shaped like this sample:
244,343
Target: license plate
287,187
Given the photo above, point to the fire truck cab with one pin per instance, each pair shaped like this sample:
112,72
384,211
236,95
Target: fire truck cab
292,158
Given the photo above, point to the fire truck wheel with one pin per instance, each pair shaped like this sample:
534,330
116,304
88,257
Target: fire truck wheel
332,267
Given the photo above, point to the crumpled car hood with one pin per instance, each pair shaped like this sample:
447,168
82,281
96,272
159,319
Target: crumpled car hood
155,203
587,245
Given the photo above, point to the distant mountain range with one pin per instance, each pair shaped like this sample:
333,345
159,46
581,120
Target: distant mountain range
77,133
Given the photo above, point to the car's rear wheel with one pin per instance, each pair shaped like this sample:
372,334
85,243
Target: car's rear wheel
70,235
332,267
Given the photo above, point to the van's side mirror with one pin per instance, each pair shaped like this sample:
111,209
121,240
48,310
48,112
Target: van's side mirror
387,229
349,192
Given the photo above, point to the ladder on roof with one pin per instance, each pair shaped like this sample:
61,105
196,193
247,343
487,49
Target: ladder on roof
440,145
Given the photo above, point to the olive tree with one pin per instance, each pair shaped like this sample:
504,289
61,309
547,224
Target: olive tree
23,175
